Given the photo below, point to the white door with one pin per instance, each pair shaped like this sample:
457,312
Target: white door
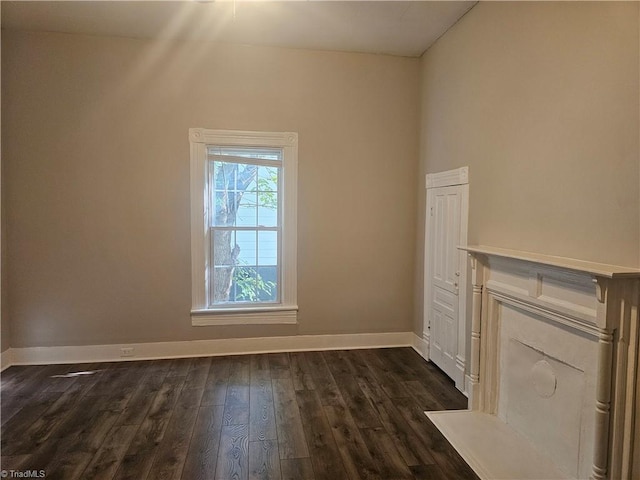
444,321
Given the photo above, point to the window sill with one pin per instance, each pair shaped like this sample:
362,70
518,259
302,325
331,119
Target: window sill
245,316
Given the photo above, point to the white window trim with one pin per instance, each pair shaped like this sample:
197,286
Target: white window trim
284,312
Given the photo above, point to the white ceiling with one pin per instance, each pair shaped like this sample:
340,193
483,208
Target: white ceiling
388,27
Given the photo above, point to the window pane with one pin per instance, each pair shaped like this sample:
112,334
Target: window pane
221,216
246,243
268,281
267,179
224,175
233,196
246,177
224,242
245,283
245,266
267,248
267,216
221,284
247,214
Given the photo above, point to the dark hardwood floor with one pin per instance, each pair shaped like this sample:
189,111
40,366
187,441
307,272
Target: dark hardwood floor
334,415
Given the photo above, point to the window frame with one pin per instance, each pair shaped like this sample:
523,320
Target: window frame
284,312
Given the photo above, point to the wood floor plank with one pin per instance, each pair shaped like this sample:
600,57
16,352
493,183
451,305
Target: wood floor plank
300,372
325,456
428,472
385,455
198,373
411,448
439,385
385,374
141,400
297,469
236,404
21,440
215,388
233,454
291,439
445,456
153,426
353,451
80,439
180,367
262,421
68,466
264,460
47,454
119,384
15,462
323,379
158,367
260,362
25,420
422,396
106,461
141,453
172,451
50,378
279,365
9,406
358,404
361,367
338,363
16,377
399,369
202,456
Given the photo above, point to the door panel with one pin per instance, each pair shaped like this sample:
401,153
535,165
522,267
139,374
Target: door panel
443,303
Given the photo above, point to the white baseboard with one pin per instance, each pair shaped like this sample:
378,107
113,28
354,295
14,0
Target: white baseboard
421,346
6,359
203,348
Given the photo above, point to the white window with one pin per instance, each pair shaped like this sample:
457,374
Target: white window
243,227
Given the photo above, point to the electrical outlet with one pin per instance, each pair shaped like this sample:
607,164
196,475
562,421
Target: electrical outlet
126,352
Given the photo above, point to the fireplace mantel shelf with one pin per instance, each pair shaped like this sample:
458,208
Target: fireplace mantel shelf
592,268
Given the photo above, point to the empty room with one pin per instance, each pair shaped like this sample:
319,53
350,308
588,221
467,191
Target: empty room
320,240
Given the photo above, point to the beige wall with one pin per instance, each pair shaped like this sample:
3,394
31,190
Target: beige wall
97,174
5,326
541,101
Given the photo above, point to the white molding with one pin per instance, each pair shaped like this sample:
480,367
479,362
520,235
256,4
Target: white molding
574,320
459,176
597,269
461,366
421,345
199,138
205,348
242,137
6,359
282,315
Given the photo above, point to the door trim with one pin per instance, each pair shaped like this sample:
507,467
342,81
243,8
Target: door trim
449,178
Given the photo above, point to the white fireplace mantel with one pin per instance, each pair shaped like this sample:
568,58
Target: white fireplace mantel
553,384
